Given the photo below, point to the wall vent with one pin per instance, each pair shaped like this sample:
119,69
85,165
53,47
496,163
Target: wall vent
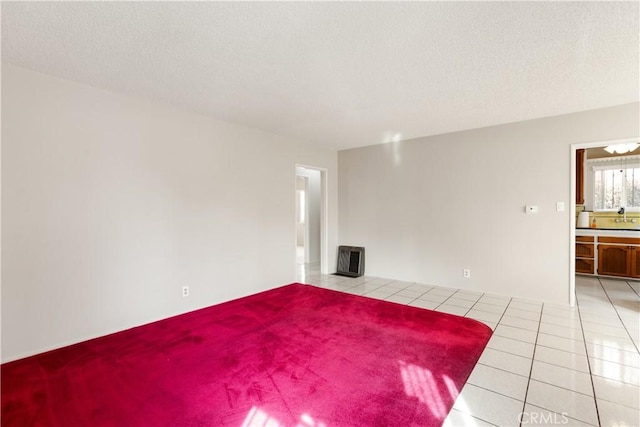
350,261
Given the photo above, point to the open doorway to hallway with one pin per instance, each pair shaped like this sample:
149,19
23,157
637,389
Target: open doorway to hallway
309,221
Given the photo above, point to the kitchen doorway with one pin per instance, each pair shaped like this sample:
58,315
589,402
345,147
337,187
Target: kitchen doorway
574,202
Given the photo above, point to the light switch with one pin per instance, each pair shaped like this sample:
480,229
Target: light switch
559,206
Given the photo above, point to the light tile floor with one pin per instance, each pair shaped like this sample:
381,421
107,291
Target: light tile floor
545,364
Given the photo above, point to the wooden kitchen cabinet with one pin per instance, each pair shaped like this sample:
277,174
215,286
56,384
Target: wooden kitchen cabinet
584,250
580,155
585,265
619,256
585,262
614,260
635,263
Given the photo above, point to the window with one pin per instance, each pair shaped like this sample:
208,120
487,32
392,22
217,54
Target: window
616,186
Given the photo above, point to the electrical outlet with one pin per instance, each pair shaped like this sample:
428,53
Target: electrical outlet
185,291
466,273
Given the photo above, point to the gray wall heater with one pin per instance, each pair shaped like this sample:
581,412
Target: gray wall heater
350,261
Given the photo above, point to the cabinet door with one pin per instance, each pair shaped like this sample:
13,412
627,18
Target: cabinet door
584,265
584,250
614,260
635,261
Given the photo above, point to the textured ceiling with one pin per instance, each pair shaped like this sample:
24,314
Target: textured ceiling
341,74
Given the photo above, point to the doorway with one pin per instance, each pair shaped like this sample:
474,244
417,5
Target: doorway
573,210
310,193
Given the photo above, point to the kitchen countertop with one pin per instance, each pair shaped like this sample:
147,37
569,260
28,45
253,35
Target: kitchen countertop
608,229
610,232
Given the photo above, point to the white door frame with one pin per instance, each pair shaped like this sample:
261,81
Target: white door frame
324,215
572,223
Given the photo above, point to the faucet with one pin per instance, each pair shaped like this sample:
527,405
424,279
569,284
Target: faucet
623,212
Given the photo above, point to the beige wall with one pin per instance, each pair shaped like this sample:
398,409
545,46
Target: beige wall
426,209
111,204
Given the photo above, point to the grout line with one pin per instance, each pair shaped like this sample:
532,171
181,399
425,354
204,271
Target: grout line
502,314
616,381
392,294
469,414
474,304
511,338
560,336
622,365
608,399
521,318
500,369
565,415
535,345
618,314
493,303
495,392
561,387
560,349
593,387
632,288
526,311
447,299
560,326
562,366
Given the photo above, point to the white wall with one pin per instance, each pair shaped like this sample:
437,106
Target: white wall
426,209
110,204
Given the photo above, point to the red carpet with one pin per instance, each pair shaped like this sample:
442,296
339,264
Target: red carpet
292,356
